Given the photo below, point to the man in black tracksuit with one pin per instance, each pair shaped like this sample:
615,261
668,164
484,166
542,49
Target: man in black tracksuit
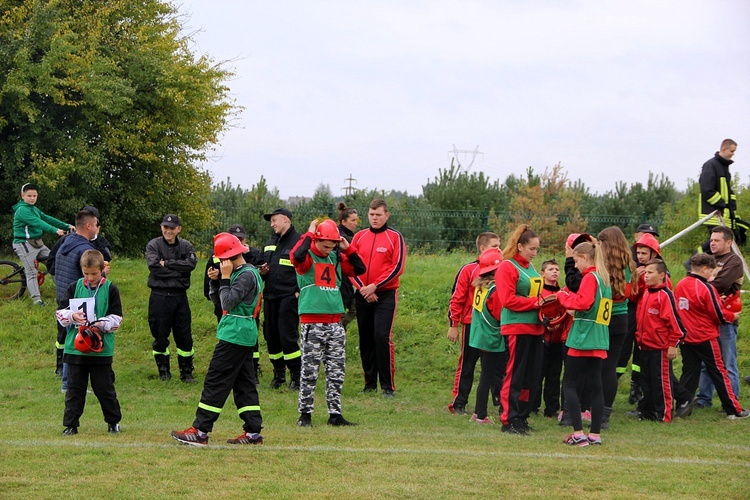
280,317
170,261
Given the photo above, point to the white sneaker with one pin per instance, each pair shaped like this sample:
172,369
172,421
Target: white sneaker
742,414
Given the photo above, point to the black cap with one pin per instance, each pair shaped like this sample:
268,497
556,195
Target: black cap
238,231
647,228
171,220
93,210
278,211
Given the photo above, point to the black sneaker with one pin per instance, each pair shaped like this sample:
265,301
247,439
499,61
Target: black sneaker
70,431
368,388
512,429
113,428
389,393
278,383
685,409
338,420
458,410
305,420
294,385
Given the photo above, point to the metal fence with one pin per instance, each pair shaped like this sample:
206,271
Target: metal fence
429,231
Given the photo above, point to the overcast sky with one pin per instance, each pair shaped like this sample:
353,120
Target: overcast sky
384,90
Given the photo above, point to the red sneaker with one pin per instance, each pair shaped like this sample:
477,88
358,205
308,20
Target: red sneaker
244,438
191,437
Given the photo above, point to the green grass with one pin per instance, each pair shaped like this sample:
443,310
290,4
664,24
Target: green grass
407,447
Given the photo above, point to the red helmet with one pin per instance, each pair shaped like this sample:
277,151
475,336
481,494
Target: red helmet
88,339
733,302
327,230
490,260
552,313
227,246
649,241
577,236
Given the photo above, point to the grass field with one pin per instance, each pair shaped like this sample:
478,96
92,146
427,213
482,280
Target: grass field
407,447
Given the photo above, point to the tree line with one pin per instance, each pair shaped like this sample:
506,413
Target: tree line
105,104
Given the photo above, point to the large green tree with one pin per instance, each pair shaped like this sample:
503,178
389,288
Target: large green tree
103,103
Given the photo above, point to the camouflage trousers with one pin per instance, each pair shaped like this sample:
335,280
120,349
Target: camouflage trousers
324,342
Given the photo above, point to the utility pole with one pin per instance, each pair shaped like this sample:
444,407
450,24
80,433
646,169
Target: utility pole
349,190
465,152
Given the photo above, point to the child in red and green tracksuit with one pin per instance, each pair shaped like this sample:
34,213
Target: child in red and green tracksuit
658,333
485,336
460,314
518,286
91,363
588,340
232,368
319,276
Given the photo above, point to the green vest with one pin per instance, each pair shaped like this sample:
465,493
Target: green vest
485,329
238,325
101,305
590,328
529,284
319,287
622,306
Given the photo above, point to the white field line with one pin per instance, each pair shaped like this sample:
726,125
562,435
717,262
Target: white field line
577,456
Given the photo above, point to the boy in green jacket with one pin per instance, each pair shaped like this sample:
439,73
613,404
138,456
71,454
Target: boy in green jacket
29,223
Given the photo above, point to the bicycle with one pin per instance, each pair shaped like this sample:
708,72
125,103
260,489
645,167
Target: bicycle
13,279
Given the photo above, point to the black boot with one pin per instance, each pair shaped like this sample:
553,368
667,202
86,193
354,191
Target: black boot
636,393
295,367
186,369
605,418
59,365
162,364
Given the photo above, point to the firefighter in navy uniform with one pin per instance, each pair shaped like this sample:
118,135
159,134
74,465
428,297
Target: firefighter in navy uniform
280,317
170,261
716,194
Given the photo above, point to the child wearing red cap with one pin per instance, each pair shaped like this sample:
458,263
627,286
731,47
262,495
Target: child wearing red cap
322,258
232,368
485,337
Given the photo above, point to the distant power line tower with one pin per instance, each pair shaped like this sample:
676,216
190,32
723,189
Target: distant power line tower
349,190
454,154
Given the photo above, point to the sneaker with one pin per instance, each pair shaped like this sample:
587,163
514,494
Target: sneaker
485,420
550,414
457,410
594,440
113,428
633,413
389,393
747,379
245,438
368,388
512,429
39,302
294,385
305,420
277,383
70,431
338,420
586,416
576,440
740,415
191,437
685,409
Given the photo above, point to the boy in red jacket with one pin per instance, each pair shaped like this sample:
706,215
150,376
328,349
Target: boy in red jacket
702,312
459,312
659,332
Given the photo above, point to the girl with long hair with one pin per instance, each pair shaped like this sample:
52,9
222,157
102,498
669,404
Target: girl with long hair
618,258
588,340
518,286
